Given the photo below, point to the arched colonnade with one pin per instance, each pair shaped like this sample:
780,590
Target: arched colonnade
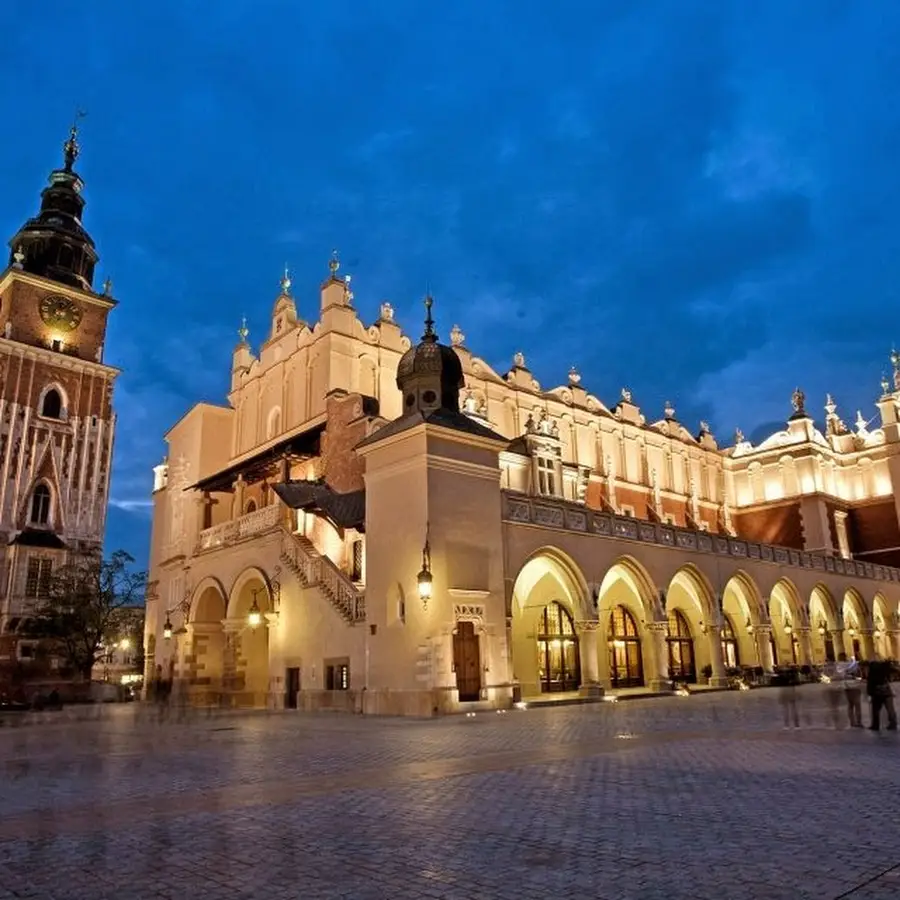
627,631
218,654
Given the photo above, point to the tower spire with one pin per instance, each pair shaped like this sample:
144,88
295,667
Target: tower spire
429,335
71,148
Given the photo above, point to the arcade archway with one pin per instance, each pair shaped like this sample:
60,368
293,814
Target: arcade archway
246,656
549,599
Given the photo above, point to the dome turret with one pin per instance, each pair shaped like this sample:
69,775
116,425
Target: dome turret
430,374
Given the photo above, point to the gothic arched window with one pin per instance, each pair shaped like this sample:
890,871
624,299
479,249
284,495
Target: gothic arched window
51,407
681,649
40,505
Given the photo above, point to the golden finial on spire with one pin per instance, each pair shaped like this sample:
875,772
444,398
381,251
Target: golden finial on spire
243,331
286,281
71,147
429,322
334,264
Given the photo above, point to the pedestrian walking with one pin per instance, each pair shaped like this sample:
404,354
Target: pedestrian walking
878,687
852,685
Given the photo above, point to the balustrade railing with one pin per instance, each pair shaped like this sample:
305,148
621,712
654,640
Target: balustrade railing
315,570
253,523
548,513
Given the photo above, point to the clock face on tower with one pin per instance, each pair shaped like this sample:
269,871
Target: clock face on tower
61,312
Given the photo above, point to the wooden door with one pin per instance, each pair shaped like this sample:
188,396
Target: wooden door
292,688
467,661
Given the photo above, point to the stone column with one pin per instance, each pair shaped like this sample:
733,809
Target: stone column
840,646
237,501
763,634
659,680
894,643
590,663
805,648
867,643
717,661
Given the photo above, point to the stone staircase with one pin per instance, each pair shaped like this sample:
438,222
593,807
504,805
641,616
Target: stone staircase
312,569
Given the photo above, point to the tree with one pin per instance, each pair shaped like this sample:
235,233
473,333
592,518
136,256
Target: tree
89,604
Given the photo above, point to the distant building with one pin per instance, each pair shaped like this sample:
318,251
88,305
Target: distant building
56,418
122,659
394,526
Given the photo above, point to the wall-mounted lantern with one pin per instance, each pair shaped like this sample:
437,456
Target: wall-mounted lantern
424,578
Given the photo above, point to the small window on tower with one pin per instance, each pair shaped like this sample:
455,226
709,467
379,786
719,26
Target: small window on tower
52,405
40,505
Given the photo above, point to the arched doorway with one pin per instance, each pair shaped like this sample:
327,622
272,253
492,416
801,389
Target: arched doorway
731,651
246,656
625,665
549,597
207,643
559,668
854,619
743,645
823,624
681,649
785,616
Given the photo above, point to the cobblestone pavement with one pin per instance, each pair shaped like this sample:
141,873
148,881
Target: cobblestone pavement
699,797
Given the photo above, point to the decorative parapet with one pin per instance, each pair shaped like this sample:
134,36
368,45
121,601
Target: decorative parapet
257,522
519,509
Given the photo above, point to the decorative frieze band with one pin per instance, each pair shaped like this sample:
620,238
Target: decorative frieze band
525,510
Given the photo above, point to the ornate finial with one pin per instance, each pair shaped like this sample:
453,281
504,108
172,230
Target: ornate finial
519,359
895,359
387,312
861,425
830,405
107,287
457,338
574,376
243,331
334,264
885,385
669,410
704,427
286,282
429,322
798,399
71,148
738,436
626,395
18,258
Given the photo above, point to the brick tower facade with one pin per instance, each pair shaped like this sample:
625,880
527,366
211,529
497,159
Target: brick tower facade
56,417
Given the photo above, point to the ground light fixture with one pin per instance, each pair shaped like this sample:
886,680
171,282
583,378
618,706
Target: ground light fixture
424,578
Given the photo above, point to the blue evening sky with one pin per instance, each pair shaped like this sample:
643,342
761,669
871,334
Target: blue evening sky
693,199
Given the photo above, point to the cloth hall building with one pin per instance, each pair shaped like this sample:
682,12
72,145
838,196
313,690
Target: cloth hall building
391,525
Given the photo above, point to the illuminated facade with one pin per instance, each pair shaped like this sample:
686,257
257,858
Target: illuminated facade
415,531
56,418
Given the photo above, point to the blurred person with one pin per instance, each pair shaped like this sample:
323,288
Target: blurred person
878,687
852,682
787,697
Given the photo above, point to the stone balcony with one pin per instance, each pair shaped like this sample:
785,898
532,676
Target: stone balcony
247,526
548,512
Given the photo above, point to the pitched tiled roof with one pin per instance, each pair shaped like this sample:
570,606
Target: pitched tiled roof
445,418
345,510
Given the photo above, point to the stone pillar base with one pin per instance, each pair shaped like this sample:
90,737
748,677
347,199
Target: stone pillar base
591,690
718,681
660,686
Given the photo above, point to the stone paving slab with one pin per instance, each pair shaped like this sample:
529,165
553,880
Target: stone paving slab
700,797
